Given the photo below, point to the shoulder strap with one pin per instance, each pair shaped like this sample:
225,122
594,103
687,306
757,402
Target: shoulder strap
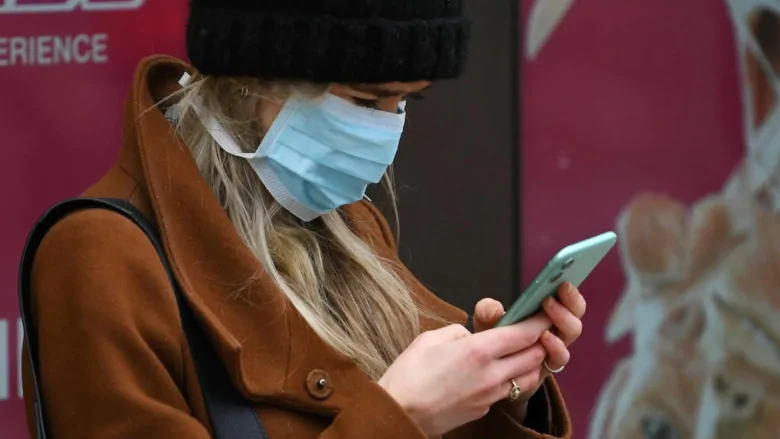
232,416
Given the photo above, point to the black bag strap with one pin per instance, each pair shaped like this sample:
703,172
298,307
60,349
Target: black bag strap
232,416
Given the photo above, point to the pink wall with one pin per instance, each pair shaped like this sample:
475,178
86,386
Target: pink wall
60,123
624,97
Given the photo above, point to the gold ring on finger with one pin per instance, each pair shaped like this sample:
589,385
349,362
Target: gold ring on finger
516,391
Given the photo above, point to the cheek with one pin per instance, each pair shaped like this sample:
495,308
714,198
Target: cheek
389,104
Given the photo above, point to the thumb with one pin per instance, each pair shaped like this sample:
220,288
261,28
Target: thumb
487,313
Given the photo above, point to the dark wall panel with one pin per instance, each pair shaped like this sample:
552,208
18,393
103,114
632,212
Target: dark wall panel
457,168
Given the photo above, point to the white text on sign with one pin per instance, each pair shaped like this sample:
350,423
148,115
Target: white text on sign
53,6
48,50
6,356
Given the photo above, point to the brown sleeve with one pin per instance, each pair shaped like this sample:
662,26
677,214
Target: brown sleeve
382,419
110,341
547,418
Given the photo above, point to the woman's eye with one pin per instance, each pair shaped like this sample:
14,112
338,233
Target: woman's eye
368,103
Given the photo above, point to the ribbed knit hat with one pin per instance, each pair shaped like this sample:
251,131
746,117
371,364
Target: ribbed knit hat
346,41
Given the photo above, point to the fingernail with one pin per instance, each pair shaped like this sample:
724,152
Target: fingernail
549,302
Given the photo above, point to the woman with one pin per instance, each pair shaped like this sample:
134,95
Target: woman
293,276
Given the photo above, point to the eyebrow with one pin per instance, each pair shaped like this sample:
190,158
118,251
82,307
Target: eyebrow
385,92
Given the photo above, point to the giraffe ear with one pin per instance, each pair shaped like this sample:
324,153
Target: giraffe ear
542,21
652,233
712,236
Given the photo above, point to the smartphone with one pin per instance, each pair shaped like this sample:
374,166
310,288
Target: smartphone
571,264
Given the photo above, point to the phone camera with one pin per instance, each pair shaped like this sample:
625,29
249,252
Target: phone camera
568,263
556,278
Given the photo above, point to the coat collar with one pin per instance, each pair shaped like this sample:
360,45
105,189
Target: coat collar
266,345
245,314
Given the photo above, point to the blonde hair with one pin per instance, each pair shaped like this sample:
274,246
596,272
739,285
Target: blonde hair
353,299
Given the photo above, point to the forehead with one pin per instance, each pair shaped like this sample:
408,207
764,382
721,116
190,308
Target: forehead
391,88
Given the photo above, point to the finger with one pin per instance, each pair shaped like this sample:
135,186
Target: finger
487,313
572,299
567,325
520,363
557,353
500,342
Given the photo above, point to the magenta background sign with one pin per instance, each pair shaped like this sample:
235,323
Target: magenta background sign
625,99
66,67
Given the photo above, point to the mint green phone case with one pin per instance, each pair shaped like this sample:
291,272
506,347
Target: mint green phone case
571,264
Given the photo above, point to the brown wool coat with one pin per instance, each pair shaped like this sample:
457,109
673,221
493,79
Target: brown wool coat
112,351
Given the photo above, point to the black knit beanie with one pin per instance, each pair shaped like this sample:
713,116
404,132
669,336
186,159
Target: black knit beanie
346,41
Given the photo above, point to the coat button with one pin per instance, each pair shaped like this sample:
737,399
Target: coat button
318,384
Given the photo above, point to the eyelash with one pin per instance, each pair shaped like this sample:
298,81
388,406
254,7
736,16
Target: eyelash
368,103
374,103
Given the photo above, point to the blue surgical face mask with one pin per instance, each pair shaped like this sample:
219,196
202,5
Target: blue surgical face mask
321,154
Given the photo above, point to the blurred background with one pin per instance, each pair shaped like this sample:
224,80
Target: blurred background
657,119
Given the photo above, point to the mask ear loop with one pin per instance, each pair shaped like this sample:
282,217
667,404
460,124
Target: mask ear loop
173,112
185,80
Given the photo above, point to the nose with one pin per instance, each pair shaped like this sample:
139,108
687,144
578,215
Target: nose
656,427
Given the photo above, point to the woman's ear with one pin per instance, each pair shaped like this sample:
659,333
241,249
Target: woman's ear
267,111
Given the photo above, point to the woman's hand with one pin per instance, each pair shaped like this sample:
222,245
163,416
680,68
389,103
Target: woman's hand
449,377
565,315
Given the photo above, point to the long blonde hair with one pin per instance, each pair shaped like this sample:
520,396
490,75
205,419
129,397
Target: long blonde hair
353,299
